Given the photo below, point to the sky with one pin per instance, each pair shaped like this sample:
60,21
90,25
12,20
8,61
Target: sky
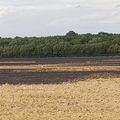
57,17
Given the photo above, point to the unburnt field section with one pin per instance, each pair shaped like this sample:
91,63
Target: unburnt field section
56,70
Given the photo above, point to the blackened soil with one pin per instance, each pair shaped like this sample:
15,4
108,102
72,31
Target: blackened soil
51,77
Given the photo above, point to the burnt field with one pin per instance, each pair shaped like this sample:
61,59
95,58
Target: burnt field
57,70
60,89
82,61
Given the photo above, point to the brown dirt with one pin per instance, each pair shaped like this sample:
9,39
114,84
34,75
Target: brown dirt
51,77
82,61
55,77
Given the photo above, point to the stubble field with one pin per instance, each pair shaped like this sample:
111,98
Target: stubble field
60,89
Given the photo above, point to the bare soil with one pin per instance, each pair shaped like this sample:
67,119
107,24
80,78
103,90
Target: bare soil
56,77
82,61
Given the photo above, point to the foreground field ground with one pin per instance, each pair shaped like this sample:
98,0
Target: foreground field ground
83,100
60,89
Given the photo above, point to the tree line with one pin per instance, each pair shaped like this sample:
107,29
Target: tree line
69,45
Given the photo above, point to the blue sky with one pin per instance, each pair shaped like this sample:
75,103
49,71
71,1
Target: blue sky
56,17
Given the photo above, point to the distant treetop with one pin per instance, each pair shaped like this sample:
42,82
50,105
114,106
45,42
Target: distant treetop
71,33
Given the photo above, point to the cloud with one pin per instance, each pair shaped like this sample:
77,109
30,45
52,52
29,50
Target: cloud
46,17
3,12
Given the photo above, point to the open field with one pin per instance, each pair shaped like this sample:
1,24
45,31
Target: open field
56,70
83,100
85,61
60,89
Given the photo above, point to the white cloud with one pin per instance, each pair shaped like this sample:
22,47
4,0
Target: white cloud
45,17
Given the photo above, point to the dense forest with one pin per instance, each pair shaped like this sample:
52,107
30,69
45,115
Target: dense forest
69,45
